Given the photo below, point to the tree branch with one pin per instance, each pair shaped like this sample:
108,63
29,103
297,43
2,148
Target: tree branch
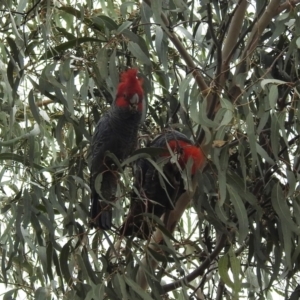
199,271
220,290
184,54
234,30
289,4
216,87
265,19
216,90
224,56
231,43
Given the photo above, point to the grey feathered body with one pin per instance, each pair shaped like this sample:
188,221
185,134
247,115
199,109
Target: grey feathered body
154,198
115,132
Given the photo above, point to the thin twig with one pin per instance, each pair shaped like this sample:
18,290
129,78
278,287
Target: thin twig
199,271
216,92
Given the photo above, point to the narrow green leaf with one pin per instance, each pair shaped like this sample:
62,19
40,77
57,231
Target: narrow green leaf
113,71
273,96
264,82
137,288
204,120
58,50
238,184
107,21
64,263
102,63
3,264
122,286
263,153
252,139
43,259
18,158
185,33
69,36
33,107
281,119
236,270
70,93
287,241
161,46
123,26
241,213
279,204
223,268
98,291
222,186
59,132
9,295
183,90
14,51
276,264
298,42
275,135
10,75
220,212
49,255
71,10
27,208
136,50
291,182
263,121
81,266
227,117
146,14
41,294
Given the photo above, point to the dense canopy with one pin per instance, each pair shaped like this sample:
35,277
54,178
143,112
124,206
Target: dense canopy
224,73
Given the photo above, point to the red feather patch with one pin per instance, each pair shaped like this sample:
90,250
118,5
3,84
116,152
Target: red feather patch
188,150
128,86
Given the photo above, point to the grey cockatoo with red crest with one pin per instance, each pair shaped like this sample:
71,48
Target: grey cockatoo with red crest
154,194
115,133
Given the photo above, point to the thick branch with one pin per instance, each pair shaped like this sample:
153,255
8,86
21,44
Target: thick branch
289,4
234,30
232,37
270,12
44,103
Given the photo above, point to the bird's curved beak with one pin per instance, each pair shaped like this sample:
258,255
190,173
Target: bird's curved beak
134,100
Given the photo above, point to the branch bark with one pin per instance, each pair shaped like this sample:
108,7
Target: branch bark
232,38
265,19
216,87
289,4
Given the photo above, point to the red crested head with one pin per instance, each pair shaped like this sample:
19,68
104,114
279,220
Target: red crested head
130,93
186,150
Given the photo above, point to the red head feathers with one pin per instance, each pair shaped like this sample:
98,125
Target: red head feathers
130,92
186,151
